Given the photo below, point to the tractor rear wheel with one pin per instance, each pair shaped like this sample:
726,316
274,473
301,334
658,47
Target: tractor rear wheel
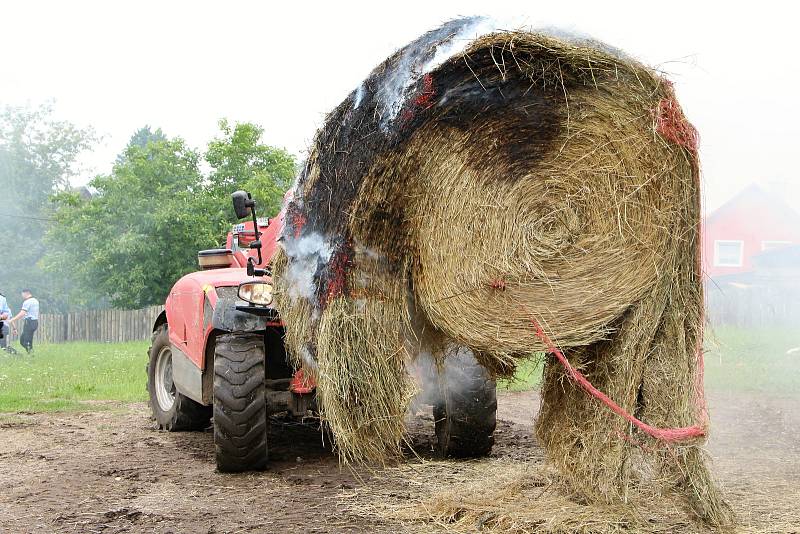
465,412
240,407
171,410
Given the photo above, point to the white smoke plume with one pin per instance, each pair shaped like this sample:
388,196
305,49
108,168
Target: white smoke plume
415,62
359,96
432,373
306,254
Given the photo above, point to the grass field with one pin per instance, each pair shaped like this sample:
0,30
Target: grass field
528,375
72,375
736,359
64,377
741,359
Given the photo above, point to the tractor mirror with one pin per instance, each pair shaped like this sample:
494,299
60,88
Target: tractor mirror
242,204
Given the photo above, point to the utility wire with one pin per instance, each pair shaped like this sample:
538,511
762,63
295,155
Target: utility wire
14,216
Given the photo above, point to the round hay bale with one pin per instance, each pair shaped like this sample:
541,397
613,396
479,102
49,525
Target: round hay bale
477,184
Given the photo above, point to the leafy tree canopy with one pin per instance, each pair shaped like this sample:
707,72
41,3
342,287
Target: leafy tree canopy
140,138
240,161
157,208
38,157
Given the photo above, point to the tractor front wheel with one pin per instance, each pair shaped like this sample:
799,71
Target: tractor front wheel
171,410
465,412
240,407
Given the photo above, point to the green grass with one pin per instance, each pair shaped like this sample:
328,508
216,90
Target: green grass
65,376
528,375
753,360
71,375
736,359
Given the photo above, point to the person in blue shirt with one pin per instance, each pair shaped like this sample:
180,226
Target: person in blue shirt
5,315
30,314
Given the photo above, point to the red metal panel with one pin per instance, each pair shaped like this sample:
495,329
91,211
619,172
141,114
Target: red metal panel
185,317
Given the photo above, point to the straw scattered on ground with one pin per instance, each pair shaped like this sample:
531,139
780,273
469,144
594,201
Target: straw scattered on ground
507,496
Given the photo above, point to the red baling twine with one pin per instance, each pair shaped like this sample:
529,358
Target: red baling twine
668,435
671,123
423,101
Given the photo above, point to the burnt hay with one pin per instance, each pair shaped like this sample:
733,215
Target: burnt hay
476,183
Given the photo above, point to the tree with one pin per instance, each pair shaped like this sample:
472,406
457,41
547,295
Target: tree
240,161
131,242
142,232
38,157
140,138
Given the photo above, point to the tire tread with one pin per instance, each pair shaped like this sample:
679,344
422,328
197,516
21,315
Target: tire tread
186,415
240,408
466,417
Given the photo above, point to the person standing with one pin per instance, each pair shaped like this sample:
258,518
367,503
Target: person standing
5,315
30,315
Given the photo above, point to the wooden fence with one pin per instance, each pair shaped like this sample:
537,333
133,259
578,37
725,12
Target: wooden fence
96,325
756,304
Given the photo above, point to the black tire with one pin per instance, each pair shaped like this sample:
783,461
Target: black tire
240,407
184,413
466,411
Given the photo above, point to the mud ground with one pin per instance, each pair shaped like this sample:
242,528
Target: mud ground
107,471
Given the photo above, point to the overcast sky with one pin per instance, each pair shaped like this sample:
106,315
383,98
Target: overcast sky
182,66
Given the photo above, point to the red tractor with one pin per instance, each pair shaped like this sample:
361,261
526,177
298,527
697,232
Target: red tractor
217,350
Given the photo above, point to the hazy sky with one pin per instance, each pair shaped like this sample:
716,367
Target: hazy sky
182,66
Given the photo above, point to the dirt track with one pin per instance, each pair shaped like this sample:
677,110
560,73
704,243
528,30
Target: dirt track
107,471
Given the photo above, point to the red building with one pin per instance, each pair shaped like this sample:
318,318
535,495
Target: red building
752,222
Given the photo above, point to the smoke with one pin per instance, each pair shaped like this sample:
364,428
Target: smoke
451,368
431,50
306,254
307,358
358,96
440,45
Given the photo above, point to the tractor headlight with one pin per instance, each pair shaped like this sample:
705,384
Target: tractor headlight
256,293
